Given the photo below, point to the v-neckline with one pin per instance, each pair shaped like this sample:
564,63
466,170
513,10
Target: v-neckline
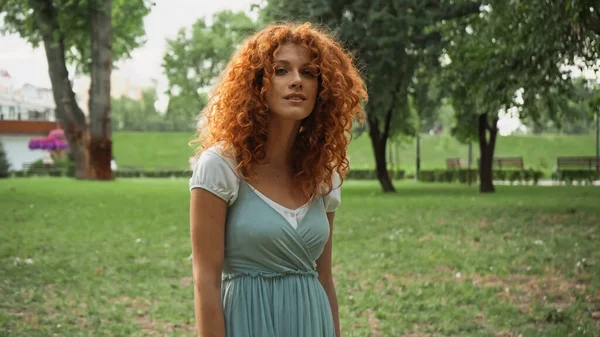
308,205
260,194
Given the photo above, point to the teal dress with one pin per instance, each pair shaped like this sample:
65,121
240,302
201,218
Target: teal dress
270,286
269,281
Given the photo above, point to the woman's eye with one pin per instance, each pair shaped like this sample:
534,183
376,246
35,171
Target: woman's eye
313,71
280,71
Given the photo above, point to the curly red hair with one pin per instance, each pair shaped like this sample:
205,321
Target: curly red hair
237,115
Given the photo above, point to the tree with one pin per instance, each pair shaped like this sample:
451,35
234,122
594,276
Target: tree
4,164
515,55
569,115
195,58
426,98
393,39
90,34
129,114
100,144
183,110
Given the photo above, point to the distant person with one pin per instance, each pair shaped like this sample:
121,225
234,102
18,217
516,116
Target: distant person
272,160
113,164
47,160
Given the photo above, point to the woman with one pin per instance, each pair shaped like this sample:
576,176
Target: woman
266,186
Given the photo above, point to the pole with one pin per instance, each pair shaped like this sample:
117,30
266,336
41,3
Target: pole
469,177
597,141
418,156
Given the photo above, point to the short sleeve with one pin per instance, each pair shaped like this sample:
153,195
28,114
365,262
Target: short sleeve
214,174
334,198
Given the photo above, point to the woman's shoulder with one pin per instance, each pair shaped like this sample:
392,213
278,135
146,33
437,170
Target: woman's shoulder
333,199
215,172
216,155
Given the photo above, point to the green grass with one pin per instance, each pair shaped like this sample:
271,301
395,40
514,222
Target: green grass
170,149
111,259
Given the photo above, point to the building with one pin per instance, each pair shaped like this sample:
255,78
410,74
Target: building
25,112
24,103
28,112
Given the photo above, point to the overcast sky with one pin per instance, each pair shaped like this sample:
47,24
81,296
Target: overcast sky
27,65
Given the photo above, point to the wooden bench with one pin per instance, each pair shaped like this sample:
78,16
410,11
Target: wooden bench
506,162
581,162
27,167
453,163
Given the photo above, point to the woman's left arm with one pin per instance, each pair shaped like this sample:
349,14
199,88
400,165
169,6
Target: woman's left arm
326,277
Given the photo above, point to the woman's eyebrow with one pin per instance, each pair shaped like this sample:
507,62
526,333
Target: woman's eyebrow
285,62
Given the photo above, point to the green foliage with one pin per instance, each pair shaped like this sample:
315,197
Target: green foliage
196,56
574,117
129,114
63,167
577,176
398,42
427,100
434,259
183,110
4,164
73,20
517,47
141,115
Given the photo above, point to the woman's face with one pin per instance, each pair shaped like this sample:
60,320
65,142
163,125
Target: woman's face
294,84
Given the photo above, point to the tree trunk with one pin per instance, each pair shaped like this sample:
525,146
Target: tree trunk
486,149
70,116
100,130
379,142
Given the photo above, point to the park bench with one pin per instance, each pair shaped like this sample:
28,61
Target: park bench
27,166
578,165
581,162
453,163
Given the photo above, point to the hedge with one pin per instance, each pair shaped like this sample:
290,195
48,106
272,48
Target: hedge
439,175
66,172
461,176
579,176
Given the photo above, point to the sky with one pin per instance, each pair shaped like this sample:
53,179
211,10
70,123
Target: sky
28,65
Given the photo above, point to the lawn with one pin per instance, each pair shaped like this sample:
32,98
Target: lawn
111,259
151,149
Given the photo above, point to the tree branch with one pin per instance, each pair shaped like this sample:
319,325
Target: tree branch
494,126
388,117
591,20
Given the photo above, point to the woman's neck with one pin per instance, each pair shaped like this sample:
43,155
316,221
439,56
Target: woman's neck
281,137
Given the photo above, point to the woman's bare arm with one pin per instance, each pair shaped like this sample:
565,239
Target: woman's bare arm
326,277
207,232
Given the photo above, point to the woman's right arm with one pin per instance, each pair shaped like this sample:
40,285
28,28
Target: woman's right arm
207,231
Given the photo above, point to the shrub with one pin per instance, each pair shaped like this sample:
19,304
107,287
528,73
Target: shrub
4,165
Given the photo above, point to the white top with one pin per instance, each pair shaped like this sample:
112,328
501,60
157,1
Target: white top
216,173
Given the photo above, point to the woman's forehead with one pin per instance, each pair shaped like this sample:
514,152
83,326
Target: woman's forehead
292,53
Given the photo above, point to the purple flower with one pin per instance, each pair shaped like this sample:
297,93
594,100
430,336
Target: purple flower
47,143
